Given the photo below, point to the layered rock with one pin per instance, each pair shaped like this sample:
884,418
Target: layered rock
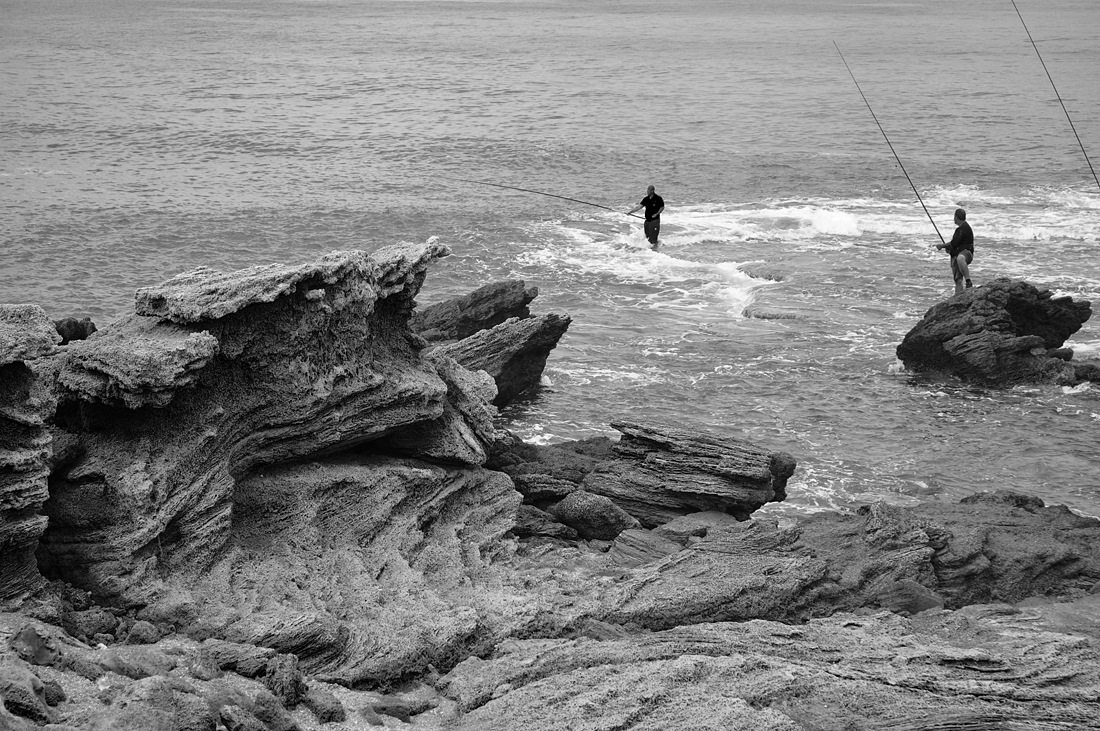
654,473
1002,333
984,667
514,353
216,376
26,403
484,308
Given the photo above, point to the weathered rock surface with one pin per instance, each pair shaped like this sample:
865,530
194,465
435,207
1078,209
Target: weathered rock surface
26,403
986,666
514,353
654,473
1000,334
482,309
168,416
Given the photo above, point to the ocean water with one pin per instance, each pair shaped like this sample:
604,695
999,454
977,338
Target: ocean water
142,138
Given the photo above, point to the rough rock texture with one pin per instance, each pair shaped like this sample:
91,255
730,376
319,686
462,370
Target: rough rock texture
667,472
995,547
26,335
984,667
999,334
592,516
514,353
482,309
358,565
654,473
167,417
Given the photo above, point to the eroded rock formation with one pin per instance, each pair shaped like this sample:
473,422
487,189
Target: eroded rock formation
26,404
1002,333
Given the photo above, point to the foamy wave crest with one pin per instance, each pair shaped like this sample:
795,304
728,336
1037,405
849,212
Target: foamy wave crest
774,221
603,255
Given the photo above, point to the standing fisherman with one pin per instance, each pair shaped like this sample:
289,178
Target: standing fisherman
961,249
653,205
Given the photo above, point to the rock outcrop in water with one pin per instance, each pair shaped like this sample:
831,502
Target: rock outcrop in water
274,506
1000,334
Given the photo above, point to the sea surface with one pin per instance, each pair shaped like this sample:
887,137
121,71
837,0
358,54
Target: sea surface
142,138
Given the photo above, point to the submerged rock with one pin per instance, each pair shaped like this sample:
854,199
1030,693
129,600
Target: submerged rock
999,334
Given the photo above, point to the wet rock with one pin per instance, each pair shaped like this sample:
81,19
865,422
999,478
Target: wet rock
482,309
592,516
514,353
1000,334
71,328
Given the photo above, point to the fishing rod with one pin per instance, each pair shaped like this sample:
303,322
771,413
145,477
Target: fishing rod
1057,94
880,129
539,192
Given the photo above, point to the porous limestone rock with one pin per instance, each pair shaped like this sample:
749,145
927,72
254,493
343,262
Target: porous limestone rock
1002,333
27,335
484,308
216,377
514,353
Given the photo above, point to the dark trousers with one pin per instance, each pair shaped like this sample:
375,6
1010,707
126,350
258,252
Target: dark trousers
652,228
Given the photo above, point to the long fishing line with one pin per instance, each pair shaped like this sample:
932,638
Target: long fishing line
539,192
880,129
1057,94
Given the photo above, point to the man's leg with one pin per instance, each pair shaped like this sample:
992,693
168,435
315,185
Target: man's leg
956,274
962,261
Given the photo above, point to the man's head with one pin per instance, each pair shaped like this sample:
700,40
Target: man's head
960,214
649,190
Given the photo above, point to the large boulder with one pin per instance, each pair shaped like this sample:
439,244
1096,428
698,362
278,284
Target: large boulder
27,335
482,309
1003,333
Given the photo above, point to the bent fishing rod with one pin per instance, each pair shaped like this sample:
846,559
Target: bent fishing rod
880,129
1057,94
539,192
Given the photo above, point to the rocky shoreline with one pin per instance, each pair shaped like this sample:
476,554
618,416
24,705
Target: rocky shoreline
282,498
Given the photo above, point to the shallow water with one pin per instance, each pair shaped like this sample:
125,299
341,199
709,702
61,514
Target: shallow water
140,139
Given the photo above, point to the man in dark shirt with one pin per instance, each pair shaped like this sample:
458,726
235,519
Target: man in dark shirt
961,249
653,205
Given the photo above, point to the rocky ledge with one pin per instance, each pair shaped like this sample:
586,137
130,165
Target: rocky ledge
265,501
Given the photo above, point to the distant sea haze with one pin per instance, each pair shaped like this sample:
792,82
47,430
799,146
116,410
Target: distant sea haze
139,140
